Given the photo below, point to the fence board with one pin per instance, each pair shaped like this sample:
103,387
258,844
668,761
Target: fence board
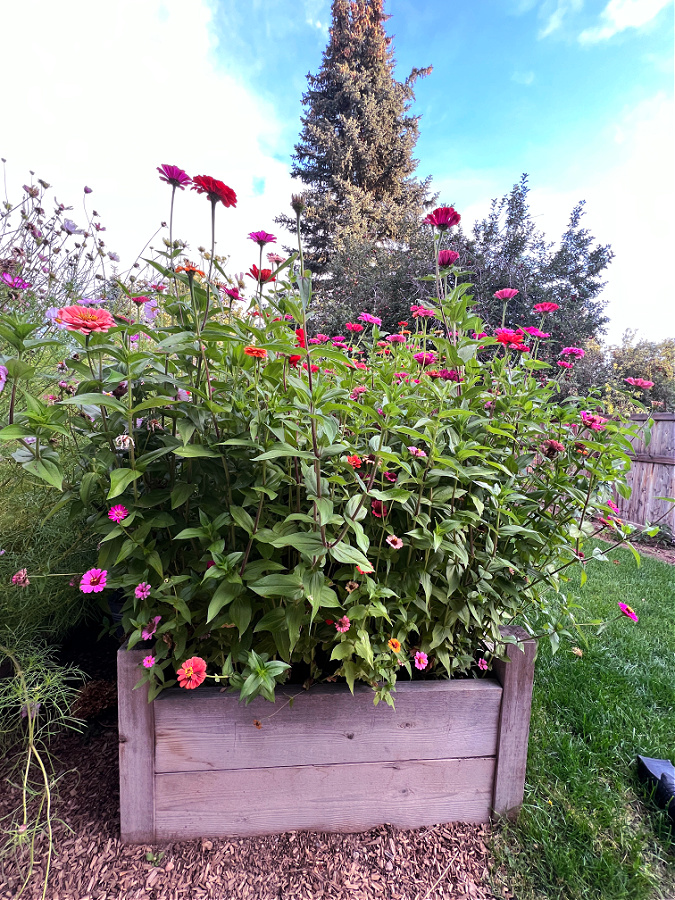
652,474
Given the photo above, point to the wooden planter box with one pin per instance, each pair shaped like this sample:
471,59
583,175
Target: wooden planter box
201,764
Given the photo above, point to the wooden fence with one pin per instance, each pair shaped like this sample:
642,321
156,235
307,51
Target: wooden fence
652,474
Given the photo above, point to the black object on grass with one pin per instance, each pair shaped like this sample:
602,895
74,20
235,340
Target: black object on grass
659,774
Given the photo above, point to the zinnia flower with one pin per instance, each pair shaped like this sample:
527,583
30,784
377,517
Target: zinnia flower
391,477
394,645
216,191
93,581
274,258
294,360
394,542
351,586
421,660
151,627
415,451
421,312
262,237
627,611
86,321
141,299
369,320
378,509
174,176
142,591
577,352
595,423
301,340
118,513
4,374
264,276
534,332
482,665
425,358
443,217
564,365
353,326
639,382
447,258
396,338
342,625
354,461
149,662
20,578
256,352
192,673
356,393
552,448
190,269
546,307
366,571
505,294
509,337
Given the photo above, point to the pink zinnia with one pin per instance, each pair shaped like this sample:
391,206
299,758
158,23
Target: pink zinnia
534,332
342,625
482,665
505,294
353,326
93,581
628,611
415,451
118,513
546,307
595,423
577,352
150,628
83,319
369,320
142,591
421,312
192,673
396,338
443,217
421,660
356,393
378,509
394,542
639,382
20,578
261,238
425,358
141,299
447,258
174,176
564,365
149,662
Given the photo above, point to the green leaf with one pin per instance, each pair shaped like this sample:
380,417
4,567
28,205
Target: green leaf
154,561
241,612
14,432
278,586
242,518
95,400
295,616
181,493
272,620
188,533
343,650
120,479
47,471
225,593
196,450
345,553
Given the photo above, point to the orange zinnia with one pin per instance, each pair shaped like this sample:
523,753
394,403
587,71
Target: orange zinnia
190,268
192,673
256,352
394,645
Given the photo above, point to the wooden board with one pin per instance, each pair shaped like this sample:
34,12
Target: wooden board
136,737
322,798
208,730
652,474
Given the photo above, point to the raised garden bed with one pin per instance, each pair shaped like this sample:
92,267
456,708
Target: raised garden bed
202,764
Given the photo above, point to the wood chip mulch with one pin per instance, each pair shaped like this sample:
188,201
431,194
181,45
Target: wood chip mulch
447,861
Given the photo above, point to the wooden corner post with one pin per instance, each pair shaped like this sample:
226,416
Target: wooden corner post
516,678
136,719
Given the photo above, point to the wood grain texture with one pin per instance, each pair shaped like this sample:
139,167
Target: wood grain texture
136,737
517,678
652,475
208,730
341,798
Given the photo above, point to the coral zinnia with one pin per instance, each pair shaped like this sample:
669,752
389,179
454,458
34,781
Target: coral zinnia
256,352
87,321
93,581
628,611
443,217
215,189
192,673
174,175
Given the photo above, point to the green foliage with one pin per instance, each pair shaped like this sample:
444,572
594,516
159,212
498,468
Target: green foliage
357,139
587,829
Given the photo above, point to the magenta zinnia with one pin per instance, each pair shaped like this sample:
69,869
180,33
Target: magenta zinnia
505,294
447,258
546,307
421,660
577,352
216,190
142,591
639,382
369,320
93,581
262,237
118,513
174,176
628,611
443,217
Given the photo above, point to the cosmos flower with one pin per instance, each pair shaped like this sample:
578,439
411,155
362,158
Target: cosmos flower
14,282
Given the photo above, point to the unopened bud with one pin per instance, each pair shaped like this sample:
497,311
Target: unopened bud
298,204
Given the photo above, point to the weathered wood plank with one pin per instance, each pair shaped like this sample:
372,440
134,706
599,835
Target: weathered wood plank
136,748
343,798
517,677
206,730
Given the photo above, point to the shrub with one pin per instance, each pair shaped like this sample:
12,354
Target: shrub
369,505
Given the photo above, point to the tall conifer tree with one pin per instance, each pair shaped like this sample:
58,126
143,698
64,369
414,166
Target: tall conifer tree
357,139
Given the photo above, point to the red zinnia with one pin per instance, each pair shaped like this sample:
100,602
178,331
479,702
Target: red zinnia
378,509
84,319
443,217
509,337
261,275
192,673
300,335
215,189
446,258
294,360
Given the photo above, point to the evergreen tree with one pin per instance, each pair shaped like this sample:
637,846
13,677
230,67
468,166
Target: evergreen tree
357,139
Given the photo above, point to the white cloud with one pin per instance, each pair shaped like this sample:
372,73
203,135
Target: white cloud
555,17
525,78
110,91
619,15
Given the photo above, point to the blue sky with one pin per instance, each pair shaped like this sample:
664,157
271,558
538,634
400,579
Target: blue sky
578,93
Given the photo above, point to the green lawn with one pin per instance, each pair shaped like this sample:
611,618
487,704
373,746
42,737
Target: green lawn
586,830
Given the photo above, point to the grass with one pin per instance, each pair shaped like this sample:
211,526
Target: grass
587,830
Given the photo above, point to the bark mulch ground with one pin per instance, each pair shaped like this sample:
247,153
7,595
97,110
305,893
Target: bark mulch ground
447,861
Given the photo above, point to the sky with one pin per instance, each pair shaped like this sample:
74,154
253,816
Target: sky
576,93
